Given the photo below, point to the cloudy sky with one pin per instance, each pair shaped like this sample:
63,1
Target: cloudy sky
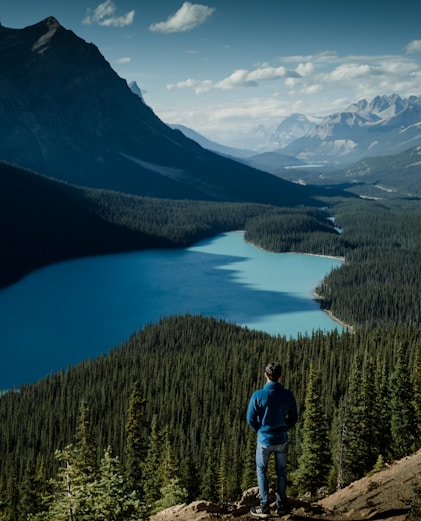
227,67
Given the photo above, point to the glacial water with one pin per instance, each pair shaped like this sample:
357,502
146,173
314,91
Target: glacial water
71,311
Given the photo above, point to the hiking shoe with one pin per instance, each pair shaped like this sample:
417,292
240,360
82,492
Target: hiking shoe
260,511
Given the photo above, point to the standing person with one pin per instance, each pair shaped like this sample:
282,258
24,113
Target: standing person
271,412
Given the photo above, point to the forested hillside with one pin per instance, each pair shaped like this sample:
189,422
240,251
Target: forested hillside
380,282
178,392
43,220
161,418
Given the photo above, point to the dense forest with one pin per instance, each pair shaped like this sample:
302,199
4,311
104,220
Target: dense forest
43,220
173,397
192,378
379,283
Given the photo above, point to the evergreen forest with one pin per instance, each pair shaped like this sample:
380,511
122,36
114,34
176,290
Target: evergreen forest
160,419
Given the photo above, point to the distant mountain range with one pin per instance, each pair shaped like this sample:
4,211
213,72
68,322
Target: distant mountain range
355,148
211,145
272,162
384,125
291,128
367,149
65,113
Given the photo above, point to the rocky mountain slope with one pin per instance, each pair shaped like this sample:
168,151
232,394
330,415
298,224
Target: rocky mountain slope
393,494
384,125
65,113
291,128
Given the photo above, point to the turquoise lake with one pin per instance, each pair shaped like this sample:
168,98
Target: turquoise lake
71,311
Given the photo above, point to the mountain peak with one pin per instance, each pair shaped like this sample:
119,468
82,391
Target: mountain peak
50,21
134,87
69,115
387,124
51,25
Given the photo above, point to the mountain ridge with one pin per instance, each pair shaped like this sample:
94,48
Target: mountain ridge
65,113
384,125
291,128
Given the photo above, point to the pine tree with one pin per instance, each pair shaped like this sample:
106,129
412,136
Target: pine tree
189,478
70,500
85,447
382,408
249,479
234,474
110,498
171,491
84,493
339,434
368,415
168,470
11,500
36,490
152,480
416,382
404,429
170,494
313,464
33,489
208,488
136,447
2,499
222,477
353,450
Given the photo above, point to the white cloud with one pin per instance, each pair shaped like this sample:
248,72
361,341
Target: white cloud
240,78
413,47
321,57
124,59
104,13
199,87
358,75
353,71
305,69
186,18
314,85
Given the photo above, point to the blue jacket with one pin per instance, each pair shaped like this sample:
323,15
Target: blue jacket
271,412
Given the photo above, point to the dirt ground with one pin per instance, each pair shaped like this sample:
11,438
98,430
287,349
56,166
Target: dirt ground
393,494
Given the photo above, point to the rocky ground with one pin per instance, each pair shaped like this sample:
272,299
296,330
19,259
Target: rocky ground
393,494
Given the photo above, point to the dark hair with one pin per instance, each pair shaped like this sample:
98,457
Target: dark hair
274,371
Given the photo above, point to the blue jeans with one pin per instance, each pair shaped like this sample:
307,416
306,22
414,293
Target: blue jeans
262,458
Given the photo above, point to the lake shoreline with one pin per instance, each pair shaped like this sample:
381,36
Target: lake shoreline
317,297
89,305
346,326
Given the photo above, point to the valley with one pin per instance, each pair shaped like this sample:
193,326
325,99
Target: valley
88,169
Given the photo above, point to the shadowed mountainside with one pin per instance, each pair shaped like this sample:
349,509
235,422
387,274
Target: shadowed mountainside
65,113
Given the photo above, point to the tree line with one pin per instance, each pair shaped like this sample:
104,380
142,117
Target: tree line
43,221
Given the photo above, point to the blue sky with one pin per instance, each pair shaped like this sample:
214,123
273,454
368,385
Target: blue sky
225,68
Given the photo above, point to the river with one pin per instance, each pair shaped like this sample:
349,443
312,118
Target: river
75,310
